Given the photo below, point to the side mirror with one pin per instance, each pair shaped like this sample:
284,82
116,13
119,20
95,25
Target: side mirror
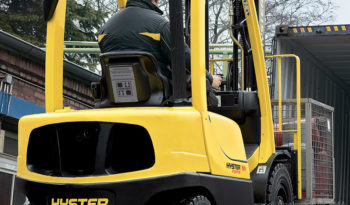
49,8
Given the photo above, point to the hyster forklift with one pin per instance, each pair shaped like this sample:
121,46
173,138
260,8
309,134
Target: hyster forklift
151,141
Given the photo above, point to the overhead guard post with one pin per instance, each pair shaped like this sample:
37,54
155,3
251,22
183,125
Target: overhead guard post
177,46
198,66
54,59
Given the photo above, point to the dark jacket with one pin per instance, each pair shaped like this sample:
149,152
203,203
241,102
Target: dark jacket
141,26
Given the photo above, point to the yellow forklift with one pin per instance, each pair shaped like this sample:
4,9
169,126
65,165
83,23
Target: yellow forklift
189,145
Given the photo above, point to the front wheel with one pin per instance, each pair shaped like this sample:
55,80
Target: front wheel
280,190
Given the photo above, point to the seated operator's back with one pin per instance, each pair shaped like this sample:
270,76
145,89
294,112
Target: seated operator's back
140,26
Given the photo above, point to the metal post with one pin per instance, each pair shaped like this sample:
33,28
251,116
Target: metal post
298,145
309,152
54,59
279,94
12,188
2,141
212,67
199,99
332,127
224,65
177,50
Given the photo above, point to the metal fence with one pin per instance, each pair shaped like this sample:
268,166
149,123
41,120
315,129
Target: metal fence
317,147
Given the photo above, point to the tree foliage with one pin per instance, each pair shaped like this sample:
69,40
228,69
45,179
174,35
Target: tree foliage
84,18
290,12
24,19
298,13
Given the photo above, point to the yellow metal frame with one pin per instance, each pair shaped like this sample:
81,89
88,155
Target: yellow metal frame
184,147
212,61
54,59
199,95
267,146
297,133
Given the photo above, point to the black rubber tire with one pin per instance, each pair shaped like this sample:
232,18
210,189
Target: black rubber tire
280,189
194,200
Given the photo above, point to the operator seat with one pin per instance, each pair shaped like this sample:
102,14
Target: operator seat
130,79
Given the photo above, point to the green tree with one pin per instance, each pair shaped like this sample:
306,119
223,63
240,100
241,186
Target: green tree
84,18
83,21
24,19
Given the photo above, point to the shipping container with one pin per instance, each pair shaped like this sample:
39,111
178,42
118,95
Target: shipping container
324,53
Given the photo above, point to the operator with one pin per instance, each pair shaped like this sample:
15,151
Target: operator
141,26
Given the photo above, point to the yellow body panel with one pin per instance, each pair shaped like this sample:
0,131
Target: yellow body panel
54,59
212,126
225,147
267,146
253,161
176,134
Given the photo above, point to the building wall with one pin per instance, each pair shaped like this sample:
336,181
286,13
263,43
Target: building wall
29,80
25,63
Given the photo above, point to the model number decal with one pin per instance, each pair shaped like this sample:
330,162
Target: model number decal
236,168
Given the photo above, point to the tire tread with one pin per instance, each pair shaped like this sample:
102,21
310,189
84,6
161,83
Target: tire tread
272,178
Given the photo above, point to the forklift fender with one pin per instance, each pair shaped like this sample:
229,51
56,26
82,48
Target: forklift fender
261,173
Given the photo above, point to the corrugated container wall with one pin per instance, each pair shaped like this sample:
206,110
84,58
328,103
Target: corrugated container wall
323,80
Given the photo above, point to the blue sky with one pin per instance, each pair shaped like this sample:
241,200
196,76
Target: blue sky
343,12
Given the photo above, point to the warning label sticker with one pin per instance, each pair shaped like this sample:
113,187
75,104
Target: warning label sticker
123,83
261,170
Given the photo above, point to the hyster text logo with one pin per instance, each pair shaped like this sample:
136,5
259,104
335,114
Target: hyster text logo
236,168
92,201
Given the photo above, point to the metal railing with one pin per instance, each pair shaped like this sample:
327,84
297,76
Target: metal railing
92,48
225,67
297,132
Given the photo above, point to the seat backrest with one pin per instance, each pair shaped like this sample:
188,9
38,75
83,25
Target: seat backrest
130,79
